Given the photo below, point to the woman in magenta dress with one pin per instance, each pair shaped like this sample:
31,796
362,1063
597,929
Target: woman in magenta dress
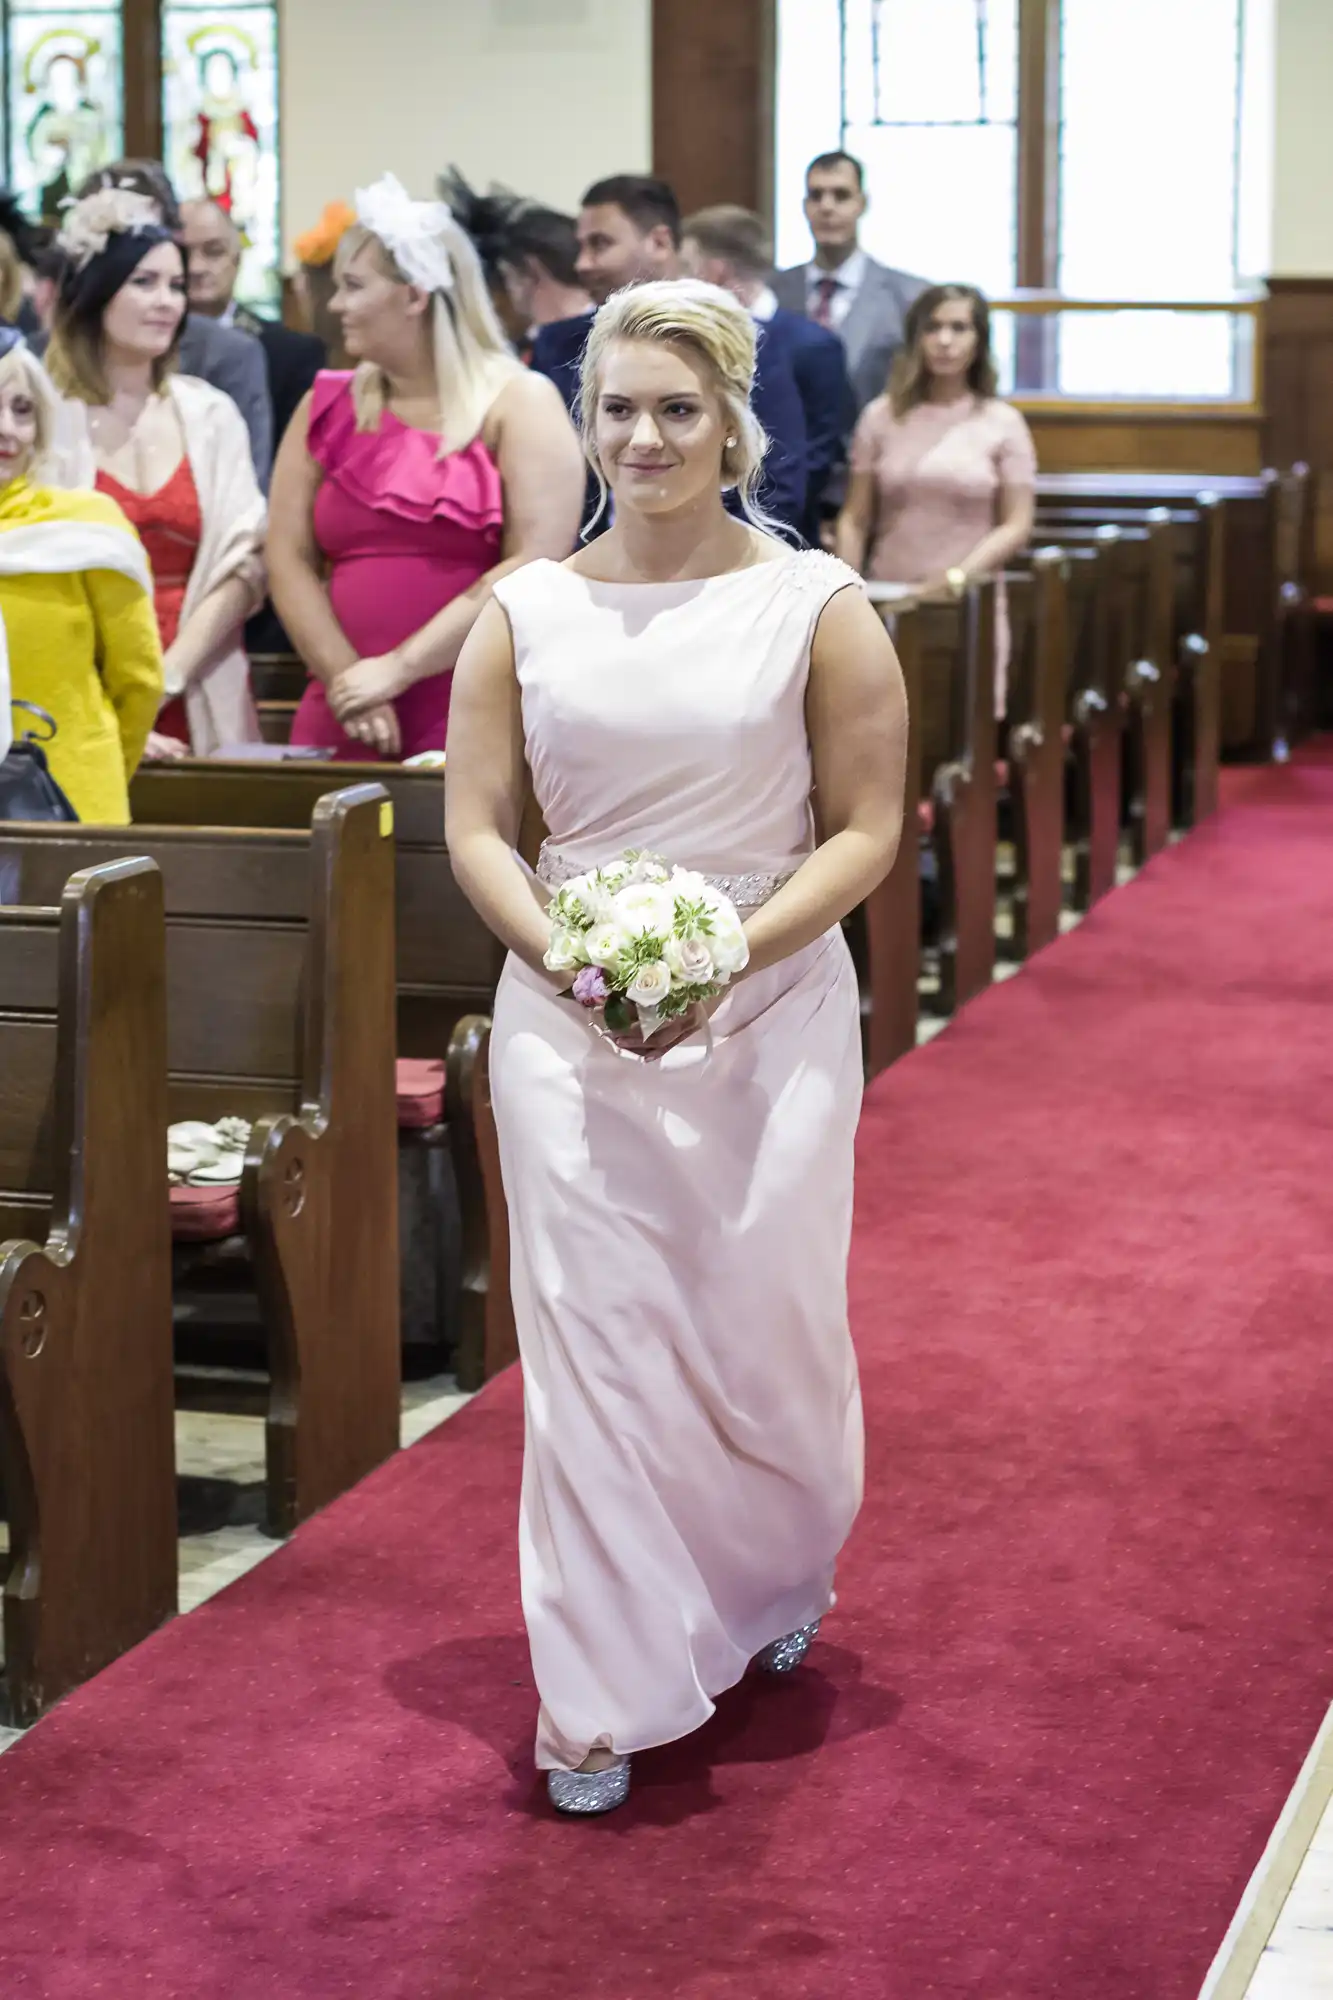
405,489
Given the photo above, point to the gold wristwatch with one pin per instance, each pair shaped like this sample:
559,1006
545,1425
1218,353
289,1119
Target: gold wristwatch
956,580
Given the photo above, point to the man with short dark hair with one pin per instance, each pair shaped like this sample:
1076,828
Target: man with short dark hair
842,287
213,246
731,247
629,234
231,360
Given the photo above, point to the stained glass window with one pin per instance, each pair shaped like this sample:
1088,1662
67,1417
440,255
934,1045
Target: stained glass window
220,123
63,110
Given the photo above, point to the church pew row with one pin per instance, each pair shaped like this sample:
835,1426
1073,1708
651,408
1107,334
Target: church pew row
447,969
1197,533
279,967
87,1448
1266,696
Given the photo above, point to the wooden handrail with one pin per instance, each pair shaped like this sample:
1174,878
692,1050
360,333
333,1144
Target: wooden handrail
1245,304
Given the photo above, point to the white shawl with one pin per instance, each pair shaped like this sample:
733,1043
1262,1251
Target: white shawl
59,548
218,700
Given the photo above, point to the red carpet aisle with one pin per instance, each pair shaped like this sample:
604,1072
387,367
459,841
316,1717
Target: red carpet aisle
1084,1640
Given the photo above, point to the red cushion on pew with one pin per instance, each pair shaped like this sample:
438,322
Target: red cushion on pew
1322,607
420,1092
205,1214
925,815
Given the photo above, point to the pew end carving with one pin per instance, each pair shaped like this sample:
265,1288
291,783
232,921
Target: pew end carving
87,1442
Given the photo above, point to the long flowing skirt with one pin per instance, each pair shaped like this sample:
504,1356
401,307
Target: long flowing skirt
694,1448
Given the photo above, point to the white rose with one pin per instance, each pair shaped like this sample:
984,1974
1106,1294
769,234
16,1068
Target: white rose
564,953
690,886
690,960
604,944
645,908
651,984
614,876
727,942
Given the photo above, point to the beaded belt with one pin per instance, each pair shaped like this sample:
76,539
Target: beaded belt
747,892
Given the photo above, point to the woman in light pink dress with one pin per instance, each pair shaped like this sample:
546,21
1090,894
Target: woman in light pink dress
943,473
404,489
680,1213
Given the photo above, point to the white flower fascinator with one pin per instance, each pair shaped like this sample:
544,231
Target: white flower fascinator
412,231
90,224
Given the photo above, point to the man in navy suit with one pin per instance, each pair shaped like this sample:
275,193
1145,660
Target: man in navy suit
730,247
629,233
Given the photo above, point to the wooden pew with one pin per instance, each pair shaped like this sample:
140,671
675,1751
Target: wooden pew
1034,744
1250,667
448,965
885,933
958,738
1198,532
277,677
280,1010
1093,724
87,1447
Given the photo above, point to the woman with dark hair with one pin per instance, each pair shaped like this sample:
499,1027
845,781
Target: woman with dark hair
943,472
173,452
529,254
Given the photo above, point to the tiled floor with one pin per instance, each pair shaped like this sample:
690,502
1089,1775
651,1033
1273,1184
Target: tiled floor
1298,1960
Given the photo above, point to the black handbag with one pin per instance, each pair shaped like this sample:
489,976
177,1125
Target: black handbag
27,789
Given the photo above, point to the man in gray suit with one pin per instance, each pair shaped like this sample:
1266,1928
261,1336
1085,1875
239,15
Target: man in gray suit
231,360
843,288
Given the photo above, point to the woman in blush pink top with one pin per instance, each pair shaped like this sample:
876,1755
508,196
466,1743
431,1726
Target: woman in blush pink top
404,490
942,472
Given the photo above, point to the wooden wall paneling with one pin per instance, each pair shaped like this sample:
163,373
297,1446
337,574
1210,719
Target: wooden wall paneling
1177,438
142,29
712,99
1298,373
1037,248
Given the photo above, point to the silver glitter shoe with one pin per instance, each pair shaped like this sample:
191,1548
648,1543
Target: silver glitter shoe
786,1654
589,1791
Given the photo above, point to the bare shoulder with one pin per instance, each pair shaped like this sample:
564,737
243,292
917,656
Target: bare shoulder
849,628
527,397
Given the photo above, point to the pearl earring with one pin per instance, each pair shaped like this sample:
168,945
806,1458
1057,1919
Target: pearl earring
731,444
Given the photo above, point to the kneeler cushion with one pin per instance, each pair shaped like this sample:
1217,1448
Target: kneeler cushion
420,1093
205,1214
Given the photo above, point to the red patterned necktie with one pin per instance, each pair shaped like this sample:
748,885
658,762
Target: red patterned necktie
826,290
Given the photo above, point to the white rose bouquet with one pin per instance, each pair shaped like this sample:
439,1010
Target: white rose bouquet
644,941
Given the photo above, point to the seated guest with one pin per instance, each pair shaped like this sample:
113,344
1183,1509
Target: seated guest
730,247
75,607
943,473
212,245
864,302
230,360
405,489
629,232
172,451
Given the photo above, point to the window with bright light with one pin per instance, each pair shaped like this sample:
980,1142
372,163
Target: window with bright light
1163,164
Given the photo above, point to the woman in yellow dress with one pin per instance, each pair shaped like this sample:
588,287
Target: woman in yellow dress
78,634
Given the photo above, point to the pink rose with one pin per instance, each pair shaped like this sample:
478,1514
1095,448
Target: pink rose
590,987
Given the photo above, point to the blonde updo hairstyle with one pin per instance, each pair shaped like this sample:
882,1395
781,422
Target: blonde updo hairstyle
21,369
473,360
712,327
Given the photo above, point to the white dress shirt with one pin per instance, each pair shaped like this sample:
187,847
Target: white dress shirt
848,276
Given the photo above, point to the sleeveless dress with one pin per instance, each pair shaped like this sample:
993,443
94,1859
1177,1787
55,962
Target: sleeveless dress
679,1228
170,526
403,533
